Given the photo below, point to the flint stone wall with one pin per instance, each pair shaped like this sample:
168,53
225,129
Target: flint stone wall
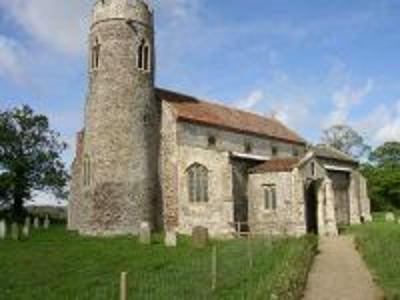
288,218
217,213
169,168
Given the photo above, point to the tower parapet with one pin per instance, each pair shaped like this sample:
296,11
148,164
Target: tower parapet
137,10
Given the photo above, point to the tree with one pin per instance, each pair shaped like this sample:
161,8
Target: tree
345,139
30,158
383,175
386,155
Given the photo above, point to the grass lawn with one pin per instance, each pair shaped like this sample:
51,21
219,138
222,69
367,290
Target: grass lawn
56,264
379,243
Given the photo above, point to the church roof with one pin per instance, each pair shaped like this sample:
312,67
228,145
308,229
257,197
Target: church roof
276,165
198,111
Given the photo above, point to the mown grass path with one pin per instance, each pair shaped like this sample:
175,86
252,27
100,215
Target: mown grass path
339,273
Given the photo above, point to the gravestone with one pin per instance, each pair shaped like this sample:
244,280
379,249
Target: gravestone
3,229
36,223
145,233
389,217
170,238
15,231
46,223
28,221
26,229
200,237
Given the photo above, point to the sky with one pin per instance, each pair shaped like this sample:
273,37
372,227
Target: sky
309,63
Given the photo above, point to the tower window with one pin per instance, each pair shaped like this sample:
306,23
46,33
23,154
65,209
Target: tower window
144,56
197,176
96,54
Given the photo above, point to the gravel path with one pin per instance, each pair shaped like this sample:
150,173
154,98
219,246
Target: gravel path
339,273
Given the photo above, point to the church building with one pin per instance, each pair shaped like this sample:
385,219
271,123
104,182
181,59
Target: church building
152,155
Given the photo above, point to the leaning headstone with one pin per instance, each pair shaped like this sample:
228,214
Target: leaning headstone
46,223
15,231
200,237
170,238
145,233
36,223
3,229
389,217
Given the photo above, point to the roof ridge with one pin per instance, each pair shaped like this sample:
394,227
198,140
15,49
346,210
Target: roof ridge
239,119
225,106
337,151
216,102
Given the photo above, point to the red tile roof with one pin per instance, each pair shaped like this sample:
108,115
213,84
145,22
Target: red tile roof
193,110
276,165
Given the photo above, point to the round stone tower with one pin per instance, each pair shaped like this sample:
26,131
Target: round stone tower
120,160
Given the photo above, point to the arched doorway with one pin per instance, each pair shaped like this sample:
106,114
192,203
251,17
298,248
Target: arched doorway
311,207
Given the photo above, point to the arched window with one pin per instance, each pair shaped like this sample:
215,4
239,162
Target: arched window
197,175
144,56
96,54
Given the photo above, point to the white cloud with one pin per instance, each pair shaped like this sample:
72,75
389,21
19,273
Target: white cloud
251,100
381,124
344,99
295,112
176,9
59,24
11,56
292,107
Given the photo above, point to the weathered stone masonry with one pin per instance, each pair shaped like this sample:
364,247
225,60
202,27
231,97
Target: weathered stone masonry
138,142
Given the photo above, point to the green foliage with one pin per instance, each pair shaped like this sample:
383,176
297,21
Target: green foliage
387,155
58,265
29,158
379,244
383,175
345,139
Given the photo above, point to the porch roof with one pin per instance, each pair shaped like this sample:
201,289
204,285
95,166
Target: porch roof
276,165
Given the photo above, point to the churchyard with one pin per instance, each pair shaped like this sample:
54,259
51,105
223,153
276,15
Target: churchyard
56,264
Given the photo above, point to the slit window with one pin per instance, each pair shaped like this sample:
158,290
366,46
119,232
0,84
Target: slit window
270,197
96,54
86,171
